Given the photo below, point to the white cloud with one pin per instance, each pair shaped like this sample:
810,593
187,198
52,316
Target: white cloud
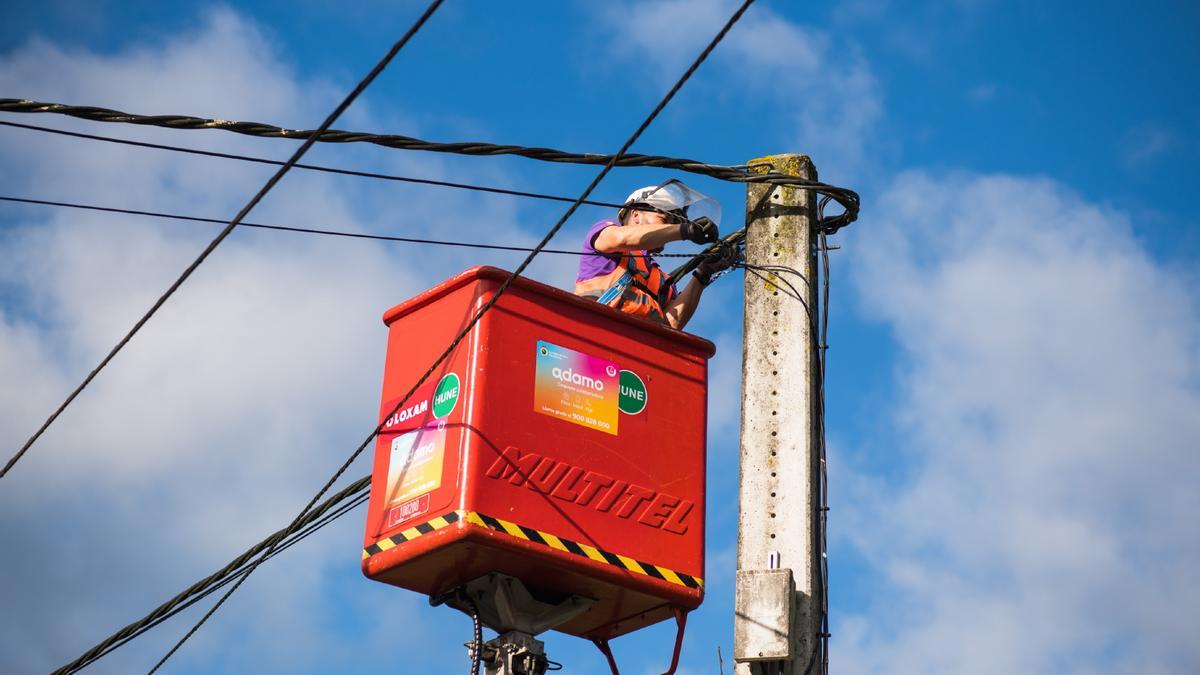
225,68
1050,404
831,97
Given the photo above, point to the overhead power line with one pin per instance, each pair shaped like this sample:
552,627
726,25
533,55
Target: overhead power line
395,141
847,198
306,230
307,167
262,192
295,525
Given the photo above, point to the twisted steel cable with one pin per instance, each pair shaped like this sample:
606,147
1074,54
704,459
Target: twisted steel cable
847,198
206,585
230,577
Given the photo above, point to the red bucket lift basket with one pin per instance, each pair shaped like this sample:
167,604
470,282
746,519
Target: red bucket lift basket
562,443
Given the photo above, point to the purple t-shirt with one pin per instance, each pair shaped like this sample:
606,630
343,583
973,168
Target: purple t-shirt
594,263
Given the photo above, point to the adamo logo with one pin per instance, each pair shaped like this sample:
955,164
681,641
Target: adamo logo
569,375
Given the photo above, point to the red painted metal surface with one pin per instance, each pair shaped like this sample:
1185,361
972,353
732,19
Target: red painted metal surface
517,457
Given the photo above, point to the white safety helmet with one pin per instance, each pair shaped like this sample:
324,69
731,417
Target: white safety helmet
674,197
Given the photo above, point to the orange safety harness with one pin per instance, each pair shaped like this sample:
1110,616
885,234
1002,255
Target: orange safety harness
637,286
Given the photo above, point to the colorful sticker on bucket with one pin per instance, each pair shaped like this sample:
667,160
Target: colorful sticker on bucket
633,393
427,404
576,387
415,463
445,396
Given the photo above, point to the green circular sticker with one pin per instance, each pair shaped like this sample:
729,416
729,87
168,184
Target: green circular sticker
445,396
633,393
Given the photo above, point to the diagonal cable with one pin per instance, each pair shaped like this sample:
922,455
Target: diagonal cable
212,245
308,230
475,319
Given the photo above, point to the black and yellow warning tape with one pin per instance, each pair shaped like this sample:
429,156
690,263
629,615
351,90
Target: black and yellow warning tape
412,533
537,537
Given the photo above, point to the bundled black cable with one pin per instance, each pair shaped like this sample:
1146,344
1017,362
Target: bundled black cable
847,198
316,518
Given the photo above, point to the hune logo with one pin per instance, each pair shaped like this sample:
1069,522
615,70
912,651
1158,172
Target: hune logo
569,375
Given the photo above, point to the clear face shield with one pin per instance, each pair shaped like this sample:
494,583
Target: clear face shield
675,198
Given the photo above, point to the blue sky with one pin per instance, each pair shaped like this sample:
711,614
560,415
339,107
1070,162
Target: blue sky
1013,385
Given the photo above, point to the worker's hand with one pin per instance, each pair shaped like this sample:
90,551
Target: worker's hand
701,230
727,257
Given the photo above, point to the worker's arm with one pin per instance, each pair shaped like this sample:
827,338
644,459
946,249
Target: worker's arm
619,239
681,308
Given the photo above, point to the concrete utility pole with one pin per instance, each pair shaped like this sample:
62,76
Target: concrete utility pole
777,620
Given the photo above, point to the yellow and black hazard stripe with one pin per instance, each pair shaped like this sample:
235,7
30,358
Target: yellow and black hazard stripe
538,537
585,551
412,533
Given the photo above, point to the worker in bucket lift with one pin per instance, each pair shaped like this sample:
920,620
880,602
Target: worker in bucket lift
616,268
